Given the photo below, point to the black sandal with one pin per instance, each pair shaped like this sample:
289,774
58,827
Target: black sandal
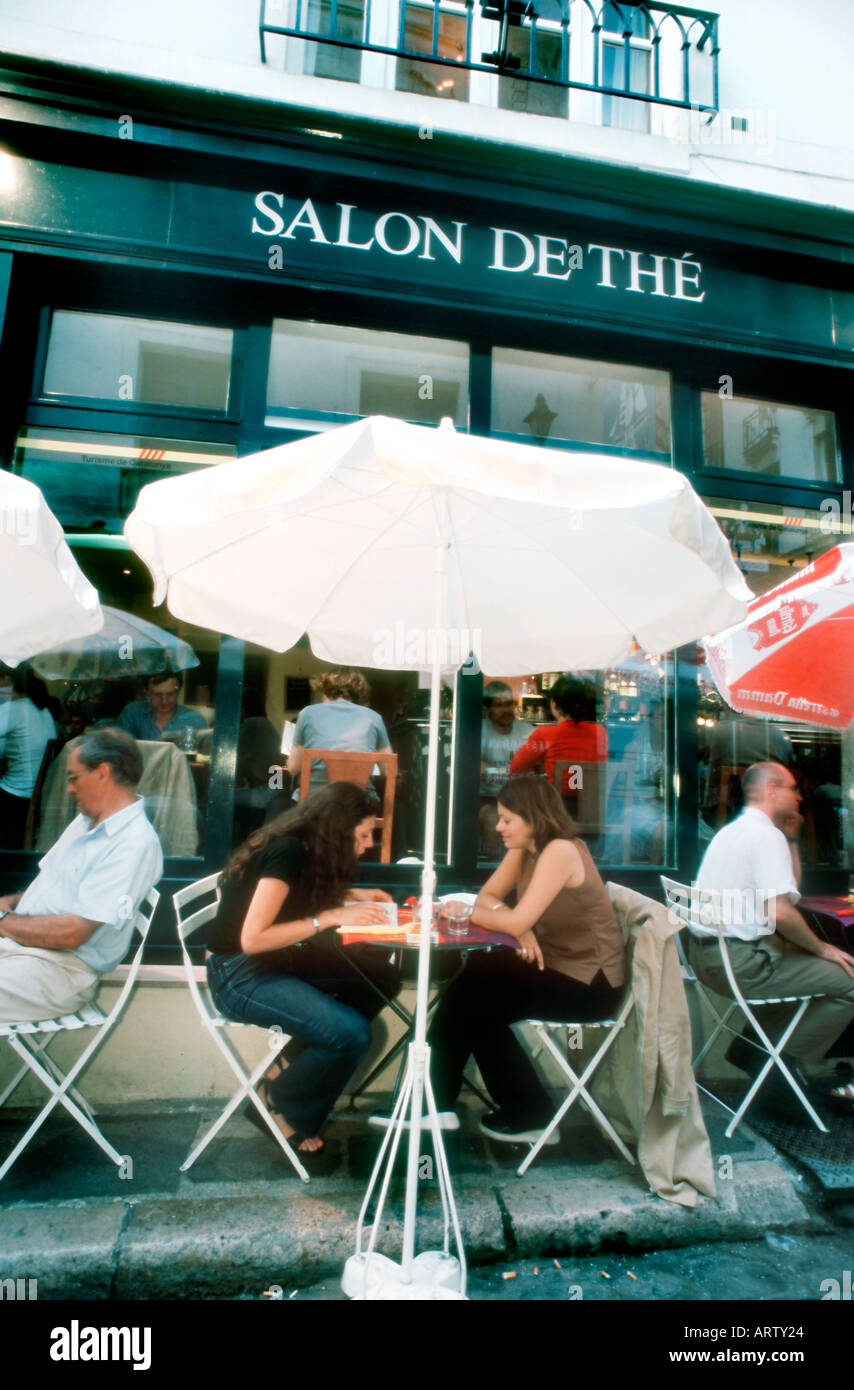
251,1113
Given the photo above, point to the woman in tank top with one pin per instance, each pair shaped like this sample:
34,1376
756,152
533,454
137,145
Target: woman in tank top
569,965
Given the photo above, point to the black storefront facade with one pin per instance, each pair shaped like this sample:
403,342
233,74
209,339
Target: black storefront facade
139,203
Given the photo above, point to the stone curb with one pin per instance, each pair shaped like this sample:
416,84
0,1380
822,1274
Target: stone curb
221,1246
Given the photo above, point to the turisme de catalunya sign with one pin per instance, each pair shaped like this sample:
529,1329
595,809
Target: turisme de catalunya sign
291,226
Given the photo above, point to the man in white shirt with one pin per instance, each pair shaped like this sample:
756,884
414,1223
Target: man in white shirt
75,920
756,868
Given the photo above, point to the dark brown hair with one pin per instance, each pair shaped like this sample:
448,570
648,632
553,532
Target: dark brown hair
324,822
540,804
343,685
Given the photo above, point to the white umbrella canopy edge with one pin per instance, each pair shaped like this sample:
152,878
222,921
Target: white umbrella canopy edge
53,599
270,596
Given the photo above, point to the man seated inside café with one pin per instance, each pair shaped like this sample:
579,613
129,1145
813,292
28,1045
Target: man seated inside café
160,714
502,734
75,920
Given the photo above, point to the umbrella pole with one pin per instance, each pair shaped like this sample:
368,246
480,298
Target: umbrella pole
432,1270
420,1052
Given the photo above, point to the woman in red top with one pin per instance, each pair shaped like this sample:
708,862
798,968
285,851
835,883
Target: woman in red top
573,739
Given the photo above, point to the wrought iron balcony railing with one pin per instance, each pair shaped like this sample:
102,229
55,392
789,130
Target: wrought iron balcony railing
646,53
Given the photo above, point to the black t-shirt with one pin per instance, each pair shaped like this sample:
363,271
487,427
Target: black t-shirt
283,858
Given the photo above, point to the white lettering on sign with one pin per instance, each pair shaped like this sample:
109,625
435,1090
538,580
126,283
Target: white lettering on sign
543,256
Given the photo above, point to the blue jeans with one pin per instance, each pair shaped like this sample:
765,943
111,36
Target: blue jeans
318,998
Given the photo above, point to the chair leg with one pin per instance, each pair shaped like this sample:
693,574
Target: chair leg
578,1091
58,1096
773,1051
245,1091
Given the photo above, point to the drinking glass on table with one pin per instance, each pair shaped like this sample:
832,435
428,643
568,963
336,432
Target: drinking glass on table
458,915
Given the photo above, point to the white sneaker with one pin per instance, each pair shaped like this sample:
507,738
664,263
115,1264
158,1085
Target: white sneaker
447,1119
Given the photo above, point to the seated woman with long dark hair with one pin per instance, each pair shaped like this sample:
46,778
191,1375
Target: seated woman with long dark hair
274,962
569,965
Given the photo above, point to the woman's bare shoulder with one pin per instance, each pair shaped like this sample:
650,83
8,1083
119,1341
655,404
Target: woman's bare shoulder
566,856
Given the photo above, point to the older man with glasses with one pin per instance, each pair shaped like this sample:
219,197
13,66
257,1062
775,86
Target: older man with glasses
75,920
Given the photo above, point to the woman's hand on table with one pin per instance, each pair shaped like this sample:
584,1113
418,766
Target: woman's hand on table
529,950
370,895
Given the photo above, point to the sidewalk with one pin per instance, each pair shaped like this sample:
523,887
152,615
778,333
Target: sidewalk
241,1221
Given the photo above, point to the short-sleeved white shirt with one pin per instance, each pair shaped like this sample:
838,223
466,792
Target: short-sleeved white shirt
749,864
102,873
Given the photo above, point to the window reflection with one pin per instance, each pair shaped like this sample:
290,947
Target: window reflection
544,396
114,358
602,738
324,369
427,78
286,707
155,681
768,438
771,542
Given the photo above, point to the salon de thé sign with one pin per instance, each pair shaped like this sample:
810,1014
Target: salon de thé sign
292,228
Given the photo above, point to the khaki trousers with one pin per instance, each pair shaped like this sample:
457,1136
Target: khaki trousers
36,983
771,967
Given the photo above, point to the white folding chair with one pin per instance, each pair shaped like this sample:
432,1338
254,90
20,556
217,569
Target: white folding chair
191,917
702,907
578,1084
31,1042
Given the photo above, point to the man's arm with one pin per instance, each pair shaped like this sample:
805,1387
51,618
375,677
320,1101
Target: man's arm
793,927
59,932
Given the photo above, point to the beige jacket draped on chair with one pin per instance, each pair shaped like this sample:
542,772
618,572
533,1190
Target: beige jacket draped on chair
166,784
645,1083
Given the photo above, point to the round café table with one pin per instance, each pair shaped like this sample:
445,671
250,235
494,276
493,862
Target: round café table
443,946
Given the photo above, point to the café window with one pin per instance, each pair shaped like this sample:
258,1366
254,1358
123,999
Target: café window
326,59
604,740
281,690
771,543
435,30
112,358
626,57
86,683
539,396
91,480
541,48
320,373
769,438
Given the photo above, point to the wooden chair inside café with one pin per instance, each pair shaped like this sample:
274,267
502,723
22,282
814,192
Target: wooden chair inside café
583,793
356,767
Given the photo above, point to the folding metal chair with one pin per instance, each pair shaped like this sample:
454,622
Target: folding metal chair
578,1084
702,907
31,1042
191,917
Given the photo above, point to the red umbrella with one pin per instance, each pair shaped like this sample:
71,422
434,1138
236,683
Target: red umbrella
793,655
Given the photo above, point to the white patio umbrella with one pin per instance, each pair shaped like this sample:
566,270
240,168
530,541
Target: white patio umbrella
399,545
125,646
45,595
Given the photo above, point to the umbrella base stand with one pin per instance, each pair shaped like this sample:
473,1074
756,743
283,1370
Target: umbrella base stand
434,1274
